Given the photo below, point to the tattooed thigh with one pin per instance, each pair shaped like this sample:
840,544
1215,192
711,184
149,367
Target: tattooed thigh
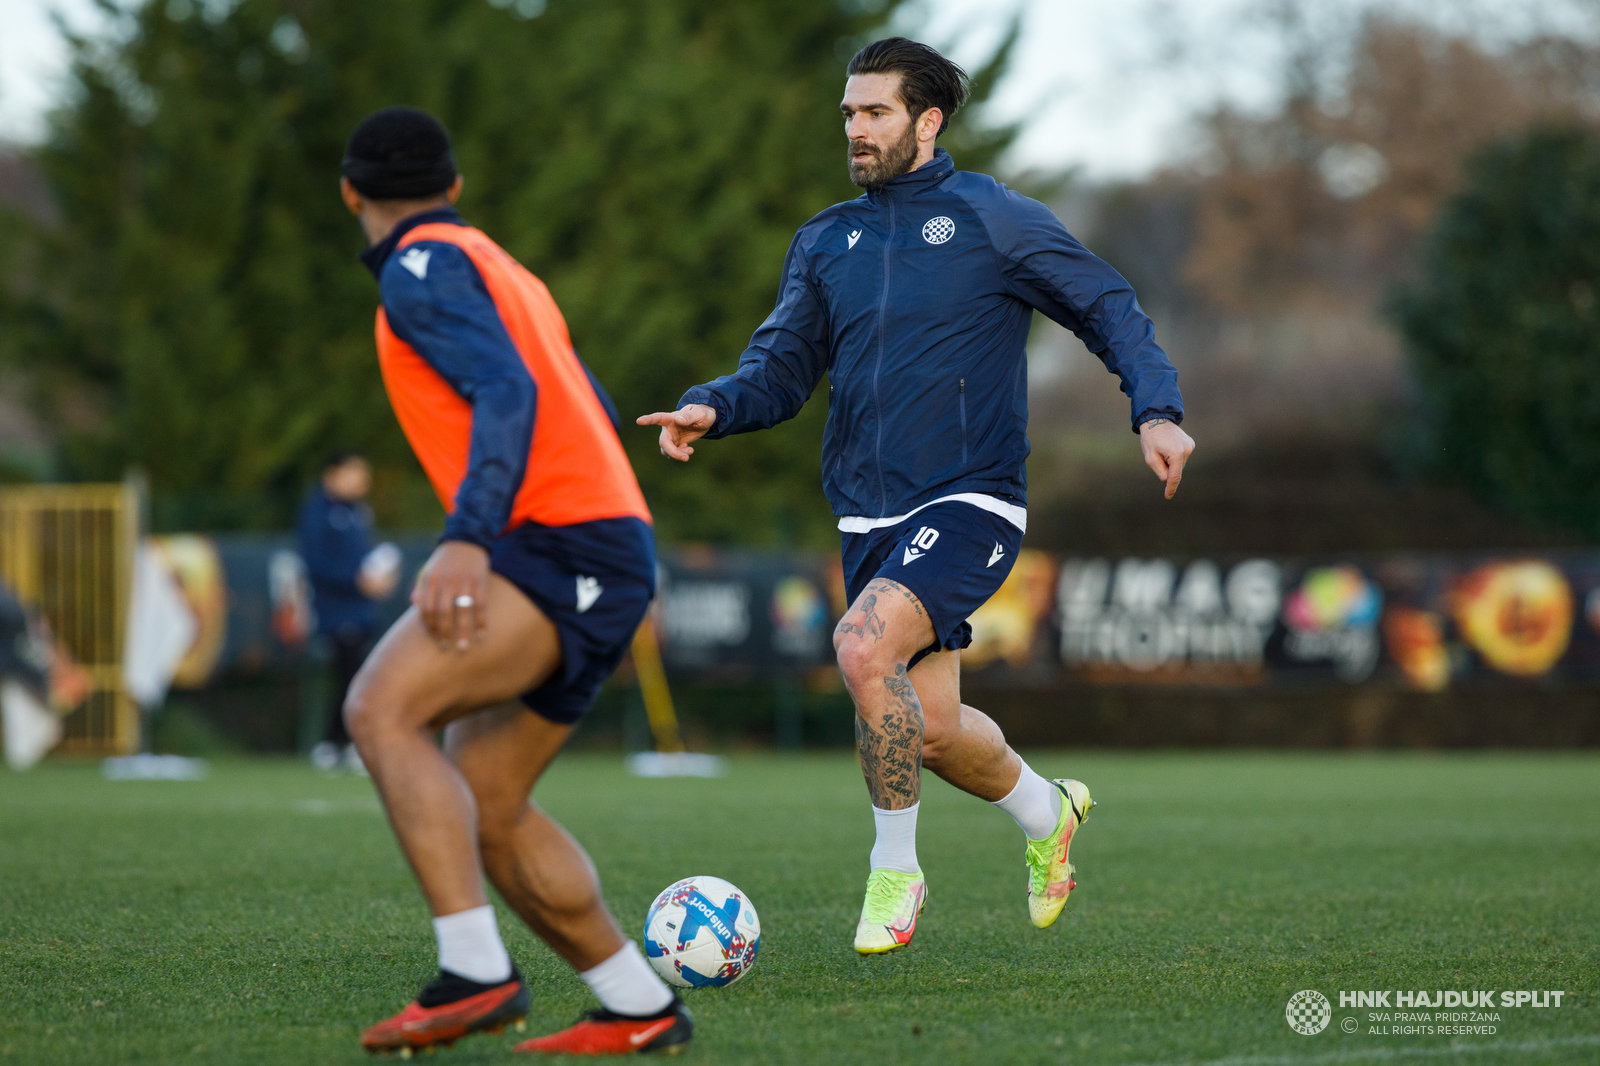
864,620
884,587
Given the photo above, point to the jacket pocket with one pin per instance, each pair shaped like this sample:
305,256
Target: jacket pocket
961,403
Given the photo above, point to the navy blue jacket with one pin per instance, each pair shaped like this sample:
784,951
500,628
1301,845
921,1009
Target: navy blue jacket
446,315
334,538
916,299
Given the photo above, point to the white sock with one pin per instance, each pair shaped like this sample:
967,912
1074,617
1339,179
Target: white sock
625,984
469,944
896,846
1035,804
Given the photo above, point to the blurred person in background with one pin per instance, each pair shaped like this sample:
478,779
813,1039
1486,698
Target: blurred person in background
348,577
40,683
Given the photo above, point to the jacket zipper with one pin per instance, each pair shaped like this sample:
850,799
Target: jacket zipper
962,399
883,309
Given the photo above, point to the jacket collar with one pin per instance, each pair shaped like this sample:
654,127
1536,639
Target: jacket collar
931,173
379,253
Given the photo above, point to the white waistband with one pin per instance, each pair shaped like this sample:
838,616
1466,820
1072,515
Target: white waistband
1017,516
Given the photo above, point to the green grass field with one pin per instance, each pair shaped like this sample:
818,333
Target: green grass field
265,915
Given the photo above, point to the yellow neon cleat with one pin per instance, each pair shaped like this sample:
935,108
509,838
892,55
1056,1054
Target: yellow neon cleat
889,914
1049,873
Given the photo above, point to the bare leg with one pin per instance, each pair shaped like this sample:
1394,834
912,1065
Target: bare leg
538,869
874,641
410,687
960,743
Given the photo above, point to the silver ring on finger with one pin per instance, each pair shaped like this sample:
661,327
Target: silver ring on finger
465,601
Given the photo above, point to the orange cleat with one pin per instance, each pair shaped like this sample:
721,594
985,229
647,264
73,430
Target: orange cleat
600,1032
447,1010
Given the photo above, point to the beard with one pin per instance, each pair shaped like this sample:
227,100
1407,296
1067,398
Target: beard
886,163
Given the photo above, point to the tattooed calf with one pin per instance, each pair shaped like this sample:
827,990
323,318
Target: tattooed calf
891,751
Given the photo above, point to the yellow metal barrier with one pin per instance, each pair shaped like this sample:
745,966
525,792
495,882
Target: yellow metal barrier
67,551
653,685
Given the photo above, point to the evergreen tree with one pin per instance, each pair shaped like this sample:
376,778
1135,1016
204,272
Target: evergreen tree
1503,328
203,315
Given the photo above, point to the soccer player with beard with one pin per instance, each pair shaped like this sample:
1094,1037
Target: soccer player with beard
916,299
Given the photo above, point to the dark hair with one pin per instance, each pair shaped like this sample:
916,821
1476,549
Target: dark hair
399,153
927,79
337,457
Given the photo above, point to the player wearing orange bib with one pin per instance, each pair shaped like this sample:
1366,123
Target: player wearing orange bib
545,570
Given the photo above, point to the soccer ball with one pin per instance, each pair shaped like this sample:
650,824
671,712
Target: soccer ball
701,932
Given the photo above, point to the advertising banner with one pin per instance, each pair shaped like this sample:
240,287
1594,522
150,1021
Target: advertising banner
738,613
1148,620
1424,622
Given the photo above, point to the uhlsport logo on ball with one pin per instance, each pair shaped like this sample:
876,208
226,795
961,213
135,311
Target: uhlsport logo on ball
700,932
1308,1012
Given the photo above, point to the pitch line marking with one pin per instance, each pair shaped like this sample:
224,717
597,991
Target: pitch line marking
1585,1040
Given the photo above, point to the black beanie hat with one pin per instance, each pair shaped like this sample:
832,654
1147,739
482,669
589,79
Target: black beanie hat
399,153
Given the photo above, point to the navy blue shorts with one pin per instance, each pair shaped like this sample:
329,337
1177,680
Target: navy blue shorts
953,556
595,581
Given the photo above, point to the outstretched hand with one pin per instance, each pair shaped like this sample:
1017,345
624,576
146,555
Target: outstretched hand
681,428
1166,449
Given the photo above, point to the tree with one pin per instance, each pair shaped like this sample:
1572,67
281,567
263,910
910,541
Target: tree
1503,328
649,159
1321,202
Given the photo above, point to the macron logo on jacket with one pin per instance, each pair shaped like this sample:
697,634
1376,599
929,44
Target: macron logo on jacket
416,261
924,345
